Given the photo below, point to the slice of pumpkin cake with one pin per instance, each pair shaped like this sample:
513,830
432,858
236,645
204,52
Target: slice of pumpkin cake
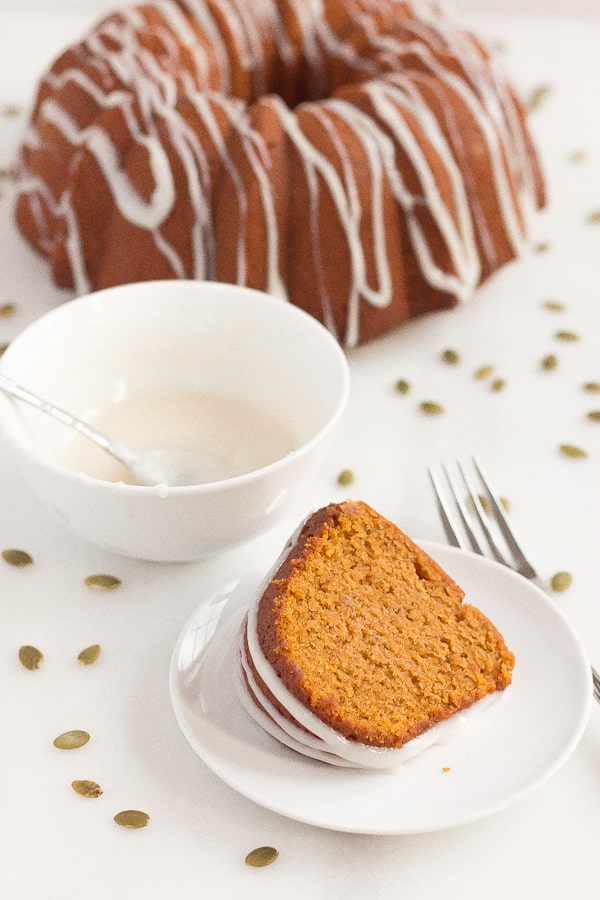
361,644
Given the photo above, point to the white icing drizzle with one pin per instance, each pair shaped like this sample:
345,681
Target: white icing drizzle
210,28
459,241
146,214
490,134
113,71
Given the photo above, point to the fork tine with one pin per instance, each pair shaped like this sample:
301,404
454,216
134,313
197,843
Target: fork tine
455,538
450,529
480,513
463,512
523,565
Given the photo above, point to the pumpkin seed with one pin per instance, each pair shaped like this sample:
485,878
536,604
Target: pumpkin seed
572,451
538,95
402,386
132,818
262,856
345,477
592,387
71,740
561,581
18,558
30,657
498,384
431,408
550,362
594,415
89,655
567,336
541,247
484,503
103,582
483,372
10,110
6,310
486,506
452,357
86,788
577,156
554,305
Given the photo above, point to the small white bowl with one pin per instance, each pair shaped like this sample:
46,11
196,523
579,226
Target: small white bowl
155,362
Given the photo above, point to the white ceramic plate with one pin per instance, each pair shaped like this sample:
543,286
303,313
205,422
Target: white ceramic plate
511,748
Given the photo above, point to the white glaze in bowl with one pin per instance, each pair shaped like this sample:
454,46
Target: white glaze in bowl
103,353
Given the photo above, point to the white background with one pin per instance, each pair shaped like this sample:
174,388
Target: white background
54,844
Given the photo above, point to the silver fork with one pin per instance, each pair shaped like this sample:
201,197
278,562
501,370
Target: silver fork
474,507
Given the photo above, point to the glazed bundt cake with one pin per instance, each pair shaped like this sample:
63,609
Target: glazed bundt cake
365,159
361,645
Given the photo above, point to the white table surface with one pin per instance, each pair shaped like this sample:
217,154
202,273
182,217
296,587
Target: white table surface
54,844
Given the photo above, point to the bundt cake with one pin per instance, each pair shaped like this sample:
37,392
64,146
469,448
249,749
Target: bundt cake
365,159
361,645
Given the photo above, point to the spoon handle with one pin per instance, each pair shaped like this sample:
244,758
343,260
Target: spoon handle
119,451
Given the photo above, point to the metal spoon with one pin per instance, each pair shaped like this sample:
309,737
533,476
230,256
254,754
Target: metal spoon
149,467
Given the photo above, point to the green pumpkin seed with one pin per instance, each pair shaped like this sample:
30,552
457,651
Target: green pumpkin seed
430,408
402,386
572,451
486,506
103,582
498,384
541,247
89,655
452,357
592,387
538,95
345,477
262,856
30,657
86,788
18,558
554,305
550,362
71,740
568,336
561,581
132,818
10,110
594,415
